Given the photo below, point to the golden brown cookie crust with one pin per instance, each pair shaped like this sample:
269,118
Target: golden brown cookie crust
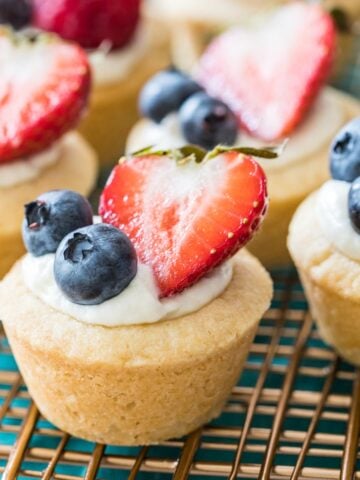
331,281
135,384
313,252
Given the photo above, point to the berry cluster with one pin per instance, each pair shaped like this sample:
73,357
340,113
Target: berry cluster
204,120
93,262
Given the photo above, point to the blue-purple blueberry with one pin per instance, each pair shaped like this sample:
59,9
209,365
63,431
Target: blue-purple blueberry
207,121
345,153
165,92
94,264
52,216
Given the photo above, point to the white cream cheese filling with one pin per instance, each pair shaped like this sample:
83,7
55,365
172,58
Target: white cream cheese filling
334,220
28,168
137,304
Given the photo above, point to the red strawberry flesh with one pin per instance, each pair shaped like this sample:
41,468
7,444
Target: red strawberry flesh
270,76
184,220
89,22
44,87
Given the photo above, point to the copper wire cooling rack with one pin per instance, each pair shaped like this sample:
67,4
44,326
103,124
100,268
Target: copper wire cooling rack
293,415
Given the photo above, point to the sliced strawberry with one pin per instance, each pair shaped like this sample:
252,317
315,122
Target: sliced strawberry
89,22
270,76
184,219
44,86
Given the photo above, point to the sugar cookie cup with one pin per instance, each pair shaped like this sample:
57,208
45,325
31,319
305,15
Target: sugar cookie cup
141,384
76,169
289,186
330,279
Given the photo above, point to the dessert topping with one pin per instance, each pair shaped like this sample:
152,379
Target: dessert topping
185,214
165,92
52,216
338,200
207,122
345,152
44,88
204,120
270,76
94,263
89,23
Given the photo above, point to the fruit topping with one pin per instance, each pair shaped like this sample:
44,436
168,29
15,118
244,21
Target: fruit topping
94,263
52,216
89,22
207,122
185,213
345,152
165,92
44,86
354,204
270,76
16,13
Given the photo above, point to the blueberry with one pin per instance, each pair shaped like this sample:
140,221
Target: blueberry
94,263
345,153
165,92
354,204
16,13
52,216
207,122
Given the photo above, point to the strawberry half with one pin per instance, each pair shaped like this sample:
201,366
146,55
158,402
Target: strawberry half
184,217
89,22
270,76
44,87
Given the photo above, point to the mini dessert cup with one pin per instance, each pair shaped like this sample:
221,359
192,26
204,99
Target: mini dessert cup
330,279
304,122
289,186
289,182
141,384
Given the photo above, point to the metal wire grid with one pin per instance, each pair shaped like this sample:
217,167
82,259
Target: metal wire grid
294,415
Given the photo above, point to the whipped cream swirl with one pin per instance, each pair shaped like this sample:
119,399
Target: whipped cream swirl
137,304
333,216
